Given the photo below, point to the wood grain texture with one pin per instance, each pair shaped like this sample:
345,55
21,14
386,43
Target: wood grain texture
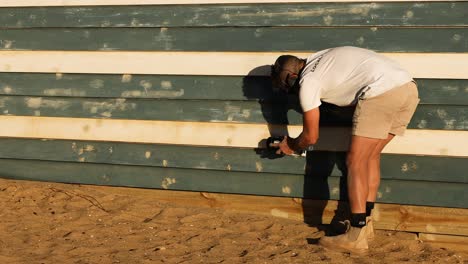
271,184
246,39
417,142
358,13
459,239
260,160
420,65
6,3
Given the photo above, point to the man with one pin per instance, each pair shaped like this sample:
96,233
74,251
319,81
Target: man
385,96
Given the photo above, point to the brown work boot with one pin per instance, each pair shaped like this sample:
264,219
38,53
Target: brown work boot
353,241
370,228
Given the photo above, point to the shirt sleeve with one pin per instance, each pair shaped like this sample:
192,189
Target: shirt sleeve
309,94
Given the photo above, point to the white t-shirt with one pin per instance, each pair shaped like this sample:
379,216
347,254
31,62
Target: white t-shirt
341,75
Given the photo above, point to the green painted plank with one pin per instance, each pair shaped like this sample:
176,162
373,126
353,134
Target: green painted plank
245,39
440,117
431,91
426,116
317,164
307,14
139,86
391,191
443,91
443,169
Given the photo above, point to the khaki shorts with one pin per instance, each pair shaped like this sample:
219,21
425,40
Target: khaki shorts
388,113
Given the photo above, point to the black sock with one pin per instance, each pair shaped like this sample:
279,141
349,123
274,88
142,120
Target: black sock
358,220
369,207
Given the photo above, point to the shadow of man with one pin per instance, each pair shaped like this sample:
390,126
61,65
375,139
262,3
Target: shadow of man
324,170
274,105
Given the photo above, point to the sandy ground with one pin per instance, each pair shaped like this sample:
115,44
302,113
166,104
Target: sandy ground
60,223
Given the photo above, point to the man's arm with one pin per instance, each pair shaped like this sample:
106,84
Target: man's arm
309,135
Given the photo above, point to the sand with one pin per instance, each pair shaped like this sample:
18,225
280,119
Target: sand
65,223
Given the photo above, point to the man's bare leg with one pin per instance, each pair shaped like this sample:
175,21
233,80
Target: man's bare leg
355,239
359,154
373,170
374,182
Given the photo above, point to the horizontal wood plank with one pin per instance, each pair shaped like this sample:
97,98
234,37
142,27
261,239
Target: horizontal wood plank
420,65
431,91
246,39
440,117
438,238
417,142
426,116
7,3
431,220
391,191
317,163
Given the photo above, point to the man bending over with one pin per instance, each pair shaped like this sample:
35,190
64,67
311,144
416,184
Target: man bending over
385,96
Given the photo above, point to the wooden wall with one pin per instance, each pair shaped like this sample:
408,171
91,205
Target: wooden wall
169,95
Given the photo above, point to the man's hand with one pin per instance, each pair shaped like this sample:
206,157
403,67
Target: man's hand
284,147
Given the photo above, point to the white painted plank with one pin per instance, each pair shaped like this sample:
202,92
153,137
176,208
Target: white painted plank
416,142
23,3
421,65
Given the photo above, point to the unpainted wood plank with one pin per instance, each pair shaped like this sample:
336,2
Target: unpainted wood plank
417,142
420,65
271,184
247,39
390,216
449,246
433,220
444,238
231,13
317,163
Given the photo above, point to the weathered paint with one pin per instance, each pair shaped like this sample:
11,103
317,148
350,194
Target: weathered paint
6,3
240,88
428,39
449,117
318,164
448,13
246,39
403,192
